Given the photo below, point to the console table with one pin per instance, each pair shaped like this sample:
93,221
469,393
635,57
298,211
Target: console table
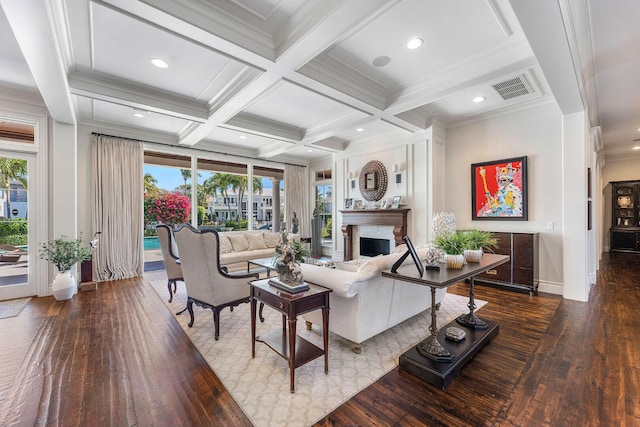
436,360
296,350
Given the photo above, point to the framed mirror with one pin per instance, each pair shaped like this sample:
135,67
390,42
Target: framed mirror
373,181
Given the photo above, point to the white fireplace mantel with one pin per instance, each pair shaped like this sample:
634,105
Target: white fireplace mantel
397,218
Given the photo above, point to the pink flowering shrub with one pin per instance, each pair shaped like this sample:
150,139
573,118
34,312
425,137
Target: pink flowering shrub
169,208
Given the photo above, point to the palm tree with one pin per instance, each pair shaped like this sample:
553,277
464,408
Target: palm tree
12,169
150,187
220,182
240,183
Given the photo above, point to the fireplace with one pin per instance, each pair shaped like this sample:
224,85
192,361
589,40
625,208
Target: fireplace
353,218
373,247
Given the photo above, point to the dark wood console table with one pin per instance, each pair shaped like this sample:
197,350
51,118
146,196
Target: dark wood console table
436,360
296,350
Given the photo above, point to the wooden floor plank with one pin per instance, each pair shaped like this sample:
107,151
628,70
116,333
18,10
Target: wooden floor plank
117,356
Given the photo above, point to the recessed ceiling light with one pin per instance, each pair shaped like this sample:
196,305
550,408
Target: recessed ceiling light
242,137
479,99
415,43
359,130
138,114
637,147
309,150
159,63
381,61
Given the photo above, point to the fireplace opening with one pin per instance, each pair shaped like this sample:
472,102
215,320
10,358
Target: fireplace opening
373,247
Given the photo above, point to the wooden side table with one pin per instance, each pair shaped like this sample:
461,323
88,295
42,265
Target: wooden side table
296,350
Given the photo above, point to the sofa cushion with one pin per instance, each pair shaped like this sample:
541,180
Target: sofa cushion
255,241
271,240
239,242
225,244
352,265
244,256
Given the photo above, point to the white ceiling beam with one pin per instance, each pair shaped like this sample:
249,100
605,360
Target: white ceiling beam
33,24
106,88
543,24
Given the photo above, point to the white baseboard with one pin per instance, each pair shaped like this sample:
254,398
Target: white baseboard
550,287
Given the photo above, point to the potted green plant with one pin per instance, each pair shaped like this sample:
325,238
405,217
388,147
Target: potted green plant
475,242
453,245
64,254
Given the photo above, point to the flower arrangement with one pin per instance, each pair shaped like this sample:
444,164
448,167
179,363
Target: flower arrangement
64,253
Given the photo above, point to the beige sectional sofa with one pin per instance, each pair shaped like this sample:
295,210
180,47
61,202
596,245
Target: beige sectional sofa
363,303
238,247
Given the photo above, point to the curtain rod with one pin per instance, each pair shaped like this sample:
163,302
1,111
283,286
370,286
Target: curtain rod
197,149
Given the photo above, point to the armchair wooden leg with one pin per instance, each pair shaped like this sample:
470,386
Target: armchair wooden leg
216,323
260,312
190,308
169,287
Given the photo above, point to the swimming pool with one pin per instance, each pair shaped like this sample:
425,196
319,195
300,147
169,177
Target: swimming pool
151,243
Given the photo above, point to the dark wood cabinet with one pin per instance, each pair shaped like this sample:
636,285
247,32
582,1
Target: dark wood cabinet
625,216
521,272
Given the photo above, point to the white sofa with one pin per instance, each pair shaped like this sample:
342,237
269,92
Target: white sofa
363,303
238,247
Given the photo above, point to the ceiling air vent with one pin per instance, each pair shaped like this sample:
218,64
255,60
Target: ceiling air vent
514,87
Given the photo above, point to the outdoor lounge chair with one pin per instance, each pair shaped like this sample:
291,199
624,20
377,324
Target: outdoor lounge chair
10,253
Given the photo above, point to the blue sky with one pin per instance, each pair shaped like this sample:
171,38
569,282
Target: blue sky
170,178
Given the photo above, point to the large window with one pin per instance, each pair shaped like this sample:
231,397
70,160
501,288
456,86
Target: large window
324,204
266,182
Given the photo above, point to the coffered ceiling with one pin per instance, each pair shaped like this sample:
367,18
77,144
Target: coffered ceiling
286,80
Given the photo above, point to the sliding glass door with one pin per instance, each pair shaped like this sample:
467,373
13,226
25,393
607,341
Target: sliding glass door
17,243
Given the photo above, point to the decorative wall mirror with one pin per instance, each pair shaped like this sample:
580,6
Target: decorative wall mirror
373,181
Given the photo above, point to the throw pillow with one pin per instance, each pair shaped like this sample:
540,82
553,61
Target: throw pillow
239,242
347,266
271,240
400,249
256,241
225,244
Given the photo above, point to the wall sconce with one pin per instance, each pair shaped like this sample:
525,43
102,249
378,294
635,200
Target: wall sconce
396,169
352,180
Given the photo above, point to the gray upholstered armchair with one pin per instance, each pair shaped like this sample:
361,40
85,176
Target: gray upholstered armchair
208,286
170,257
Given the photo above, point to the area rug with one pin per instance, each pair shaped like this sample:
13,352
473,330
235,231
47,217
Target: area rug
261,385
13,307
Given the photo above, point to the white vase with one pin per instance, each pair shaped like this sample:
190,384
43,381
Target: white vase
64,285
454,261
472,255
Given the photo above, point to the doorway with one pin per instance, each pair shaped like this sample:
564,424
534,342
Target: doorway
18,246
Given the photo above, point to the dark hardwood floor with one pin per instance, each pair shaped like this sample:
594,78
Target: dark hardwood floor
117,357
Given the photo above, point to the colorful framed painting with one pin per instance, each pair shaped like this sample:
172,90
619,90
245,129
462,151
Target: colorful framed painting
499,190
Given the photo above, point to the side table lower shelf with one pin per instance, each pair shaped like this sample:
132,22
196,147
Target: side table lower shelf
279,342
441,374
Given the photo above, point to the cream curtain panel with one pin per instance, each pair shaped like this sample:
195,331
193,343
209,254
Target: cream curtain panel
117,207
295,190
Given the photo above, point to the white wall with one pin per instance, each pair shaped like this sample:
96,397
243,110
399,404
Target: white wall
353,159
627,169
537,134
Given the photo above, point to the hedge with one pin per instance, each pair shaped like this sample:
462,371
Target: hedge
16,227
